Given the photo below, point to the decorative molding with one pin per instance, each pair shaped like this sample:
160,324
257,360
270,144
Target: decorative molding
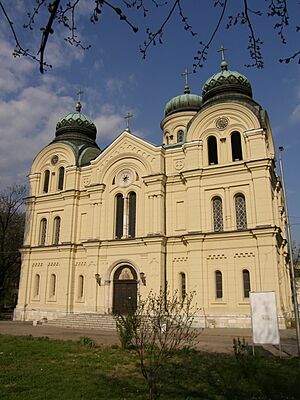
243,255
216,257
53,264
80,263
179,164
86,181
222,123
37,264
180,259
129,147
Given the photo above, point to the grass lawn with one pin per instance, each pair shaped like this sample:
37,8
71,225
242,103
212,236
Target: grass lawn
41,369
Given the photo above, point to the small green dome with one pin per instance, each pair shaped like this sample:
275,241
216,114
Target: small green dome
226,81
76,122
183,102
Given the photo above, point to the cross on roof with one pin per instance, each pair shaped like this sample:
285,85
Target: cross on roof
79,94
186,73
127,117
222,51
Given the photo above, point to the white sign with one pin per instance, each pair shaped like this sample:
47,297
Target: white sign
264,318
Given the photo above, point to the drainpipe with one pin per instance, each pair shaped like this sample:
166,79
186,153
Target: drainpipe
289,236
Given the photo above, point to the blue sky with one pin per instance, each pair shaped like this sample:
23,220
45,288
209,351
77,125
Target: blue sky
116,79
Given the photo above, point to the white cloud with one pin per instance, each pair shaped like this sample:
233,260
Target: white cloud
114,86
27,125
295,116
14,72
109,126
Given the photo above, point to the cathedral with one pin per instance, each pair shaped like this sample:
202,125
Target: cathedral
201,212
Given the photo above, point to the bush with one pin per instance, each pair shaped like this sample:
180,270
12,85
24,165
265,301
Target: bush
87,341
125,327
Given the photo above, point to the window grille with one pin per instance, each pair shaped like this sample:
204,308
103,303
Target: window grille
218,214
43,232
57,222
240,210
180,135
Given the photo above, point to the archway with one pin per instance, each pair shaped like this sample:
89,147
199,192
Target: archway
125,290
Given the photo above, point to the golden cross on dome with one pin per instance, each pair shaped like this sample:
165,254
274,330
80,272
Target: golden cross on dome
127,117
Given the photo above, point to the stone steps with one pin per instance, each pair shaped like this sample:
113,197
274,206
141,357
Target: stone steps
84,321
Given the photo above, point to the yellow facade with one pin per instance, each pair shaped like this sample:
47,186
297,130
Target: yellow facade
199,226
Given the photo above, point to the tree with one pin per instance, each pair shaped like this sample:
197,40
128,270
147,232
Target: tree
12,221
161,325
49,14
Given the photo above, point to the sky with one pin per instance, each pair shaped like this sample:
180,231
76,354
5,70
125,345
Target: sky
116,80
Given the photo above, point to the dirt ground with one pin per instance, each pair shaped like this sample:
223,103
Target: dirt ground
210,340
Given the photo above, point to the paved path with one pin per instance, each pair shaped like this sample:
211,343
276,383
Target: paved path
211,340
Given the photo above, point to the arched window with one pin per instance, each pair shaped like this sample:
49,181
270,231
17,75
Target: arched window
43,232
46,181
52,285
236,146
246,282
56,230
218,214
212,150
182,285
61,177
180,135
131,214
80,286
240,212
119,215
36,288
219,285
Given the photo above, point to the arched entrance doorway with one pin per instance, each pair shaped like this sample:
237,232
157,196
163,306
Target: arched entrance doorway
125,290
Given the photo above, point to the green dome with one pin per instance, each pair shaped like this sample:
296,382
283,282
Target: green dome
76,122
226,81
78,132
183,102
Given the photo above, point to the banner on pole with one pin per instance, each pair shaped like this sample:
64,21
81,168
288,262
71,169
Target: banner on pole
265,328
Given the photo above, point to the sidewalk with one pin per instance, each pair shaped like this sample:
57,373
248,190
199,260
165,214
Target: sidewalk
210,340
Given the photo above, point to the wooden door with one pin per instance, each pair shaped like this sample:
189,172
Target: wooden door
125,291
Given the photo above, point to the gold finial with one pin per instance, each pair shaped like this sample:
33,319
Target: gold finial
224,64
186,73
127,117
78,105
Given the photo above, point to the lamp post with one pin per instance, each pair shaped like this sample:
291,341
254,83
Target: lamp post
289,237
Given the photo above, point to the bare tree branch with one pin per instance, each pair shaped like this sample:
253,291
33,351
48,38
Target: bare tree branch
202,54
